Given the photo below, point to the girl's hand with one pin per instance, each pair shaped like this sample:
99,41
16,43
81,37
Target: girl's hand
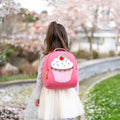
37,102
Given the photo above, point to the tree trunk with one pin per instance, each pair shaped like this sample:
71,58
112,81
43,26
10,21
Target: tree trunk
3,24
93,29
91,50
89,40
0,72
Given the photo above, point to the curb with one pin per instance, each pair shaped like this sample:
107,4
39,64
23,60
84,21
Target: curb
17,82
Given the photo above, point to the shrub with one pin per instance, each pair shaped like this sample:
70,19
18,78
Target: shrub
103,55
11,50
82,54
29,69
111,53
119,53
19,51
3,57
31,56
21,69
95,54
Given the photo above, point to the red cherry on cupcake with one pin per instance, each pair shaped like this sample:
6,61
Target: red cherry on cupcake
61,58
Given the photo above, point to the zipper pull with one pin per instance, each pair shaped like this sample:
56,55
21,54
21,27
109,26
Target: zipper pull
46,75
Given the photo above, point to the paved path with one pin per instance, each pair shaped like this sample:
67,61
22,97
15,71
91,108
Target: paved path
86,85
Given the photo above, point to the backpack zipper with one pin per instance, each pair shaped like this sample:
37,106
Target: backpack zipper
46,75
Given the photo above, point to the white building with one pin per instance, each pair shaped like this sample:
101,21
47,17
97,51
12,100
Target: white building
103,42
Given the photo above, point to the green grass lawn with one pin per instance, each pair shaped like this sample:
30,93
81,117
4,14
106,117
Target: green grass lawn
103,100
17,77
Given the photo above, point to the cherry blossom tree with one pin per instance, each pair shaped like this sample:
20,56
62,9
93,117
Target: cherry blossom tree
88,15
8,10
116,15
33,39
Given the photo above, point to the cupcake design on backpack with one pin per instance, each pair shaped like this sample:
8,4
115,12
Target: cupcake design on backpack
61,63
62,69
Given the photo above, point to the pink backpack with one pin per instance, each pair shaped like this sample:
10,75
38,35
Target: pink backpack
60,70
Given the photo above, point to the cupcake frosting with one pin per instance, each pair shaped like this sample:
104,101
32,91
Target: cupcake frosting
61,63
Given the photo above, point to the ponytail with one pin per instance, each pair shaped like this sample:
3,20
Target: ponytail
61,39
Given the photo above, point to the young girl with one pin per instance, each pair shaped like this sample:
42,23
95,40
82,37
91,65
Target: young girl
60,104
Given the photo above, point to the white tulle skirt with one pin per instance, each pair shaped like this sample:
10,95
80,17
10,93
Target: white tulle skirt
59,104
54,105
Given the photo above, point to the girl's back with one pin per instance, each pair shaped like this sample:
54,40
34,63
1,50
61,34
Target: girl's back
54,104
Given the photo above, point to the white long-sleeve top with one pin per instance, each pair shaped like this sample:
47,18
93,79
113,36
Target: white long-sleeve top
39,83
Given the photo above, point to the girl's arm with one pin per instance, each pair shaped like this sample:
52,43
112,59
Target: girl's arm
77,88
39,82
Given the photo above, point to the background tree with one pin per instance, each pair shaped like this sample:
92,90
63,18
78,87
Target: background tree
88,15
8,12
28,17
116,15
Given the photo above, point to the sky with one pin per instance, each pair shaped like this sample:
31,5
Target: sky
34,5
